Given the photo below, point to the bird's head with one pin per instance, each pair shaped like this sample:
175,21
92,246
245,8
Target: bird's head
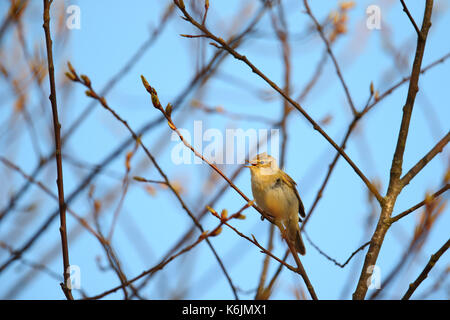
263,161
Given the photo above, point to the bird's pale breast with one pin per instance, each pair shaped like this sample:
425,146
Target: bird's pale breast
275,197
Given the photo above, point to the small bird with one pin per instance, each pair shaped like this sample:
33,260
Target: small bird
276,194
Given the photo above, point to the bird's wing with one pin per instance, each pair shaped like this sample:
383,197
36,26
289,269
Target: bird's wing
291,183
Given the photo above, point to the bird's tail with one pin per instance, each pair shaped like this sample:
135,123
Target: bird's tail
299,245
296,238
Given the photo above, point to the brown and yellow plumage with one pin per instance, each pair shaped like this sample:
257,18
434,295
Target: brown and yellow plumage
276,193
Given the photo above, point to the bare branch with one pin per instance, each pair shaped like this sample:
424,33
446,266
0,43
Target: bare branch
405,9
427,158
57,131
423,275
395,185
420,204
341,265
333,58
396,168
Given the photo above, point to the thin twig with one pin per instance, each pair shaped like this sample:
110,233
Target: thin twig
261,292
57,130
423,275
204,236
81,220
420,204
427,158
405,9
33,265
341,265
333,58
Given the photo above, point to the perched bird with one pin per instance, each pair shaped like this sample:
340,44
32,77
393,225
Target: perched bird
276,194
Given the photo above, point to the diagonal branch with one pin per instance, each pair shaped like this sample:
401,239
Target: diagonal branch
427,158
423,275
420,204
333,58
405,9
341,265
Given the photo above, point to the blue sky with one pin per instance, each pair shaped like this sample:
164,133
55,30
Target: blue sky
148,225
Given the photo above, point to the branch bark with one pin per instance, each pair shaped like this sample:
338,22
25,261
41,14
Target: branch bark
423,275
333,58
395,184
420,204
427,158
57,131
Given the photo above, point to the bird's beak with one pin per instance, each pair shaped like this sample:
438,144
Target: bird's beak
249,164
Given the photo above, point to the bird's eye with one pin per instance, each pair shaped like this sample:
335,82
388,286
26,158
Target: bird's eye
262,162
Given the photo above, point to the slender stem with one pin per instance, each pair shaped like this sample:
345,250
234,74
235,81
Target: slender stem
427,158
395,185
420,204
333,58
423,275
405,9
301,270
59,170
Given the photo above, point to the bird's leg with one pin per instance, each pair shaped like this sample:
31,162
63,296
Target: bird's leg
282,230
267,216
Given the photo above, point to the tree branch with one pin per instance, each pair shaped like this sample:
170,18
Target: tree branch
423,275
405,9
423,162
395,185
396,168
57,131
333,58
420,204
341,265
